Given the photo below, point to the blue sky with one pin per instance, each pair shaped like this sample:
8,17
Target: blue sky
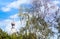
5,15
10,9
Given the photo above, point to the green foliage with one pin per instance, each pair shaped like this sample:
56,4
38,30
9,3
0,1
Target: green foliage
4,35
38,25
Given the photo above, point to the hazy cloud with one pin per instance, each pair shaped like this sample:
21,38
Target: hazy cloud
14,4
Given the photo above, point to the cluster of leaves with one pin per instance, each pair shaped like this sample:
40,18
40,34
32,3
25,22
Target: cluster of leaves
4,35
35,25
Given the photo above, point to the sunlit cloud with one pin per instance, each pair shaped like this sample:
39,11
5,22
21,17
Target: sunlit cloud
56,2
14,4
8,26
14,16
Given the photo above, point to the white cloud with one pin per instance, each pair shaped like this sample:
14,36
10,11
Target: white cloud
14,16
7,24
17,26
56,2
15,4
5,9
